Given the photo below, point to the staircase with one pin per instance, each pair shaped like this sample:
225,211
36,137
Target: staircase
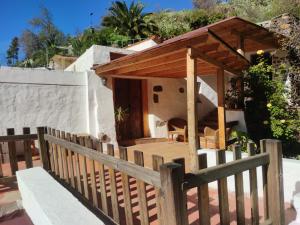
211,120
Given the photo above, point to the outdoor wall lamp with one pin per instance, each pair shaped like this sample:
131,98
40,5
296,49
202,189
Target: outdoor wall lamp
104,81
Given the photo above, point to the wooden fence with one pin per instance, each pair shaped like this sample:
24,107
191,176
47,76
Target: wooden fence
108,182
28,145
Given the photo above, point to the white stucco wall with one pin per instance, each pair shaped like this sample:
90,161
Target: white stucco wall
96,54
101,108
171,104
32,97
142,45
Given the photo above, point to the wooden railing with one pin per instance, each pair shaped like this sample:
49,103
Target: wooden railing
270,159
109,183
28,144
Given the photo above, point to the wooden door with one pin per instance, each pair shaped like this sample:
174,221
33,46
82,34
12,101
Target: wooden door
128,96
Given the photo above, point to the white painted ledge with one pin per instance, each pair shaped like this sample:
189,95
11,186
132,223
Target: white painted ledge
49,203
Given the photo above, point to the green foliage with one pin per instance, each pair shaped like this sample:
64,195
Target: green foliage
261,10
40,43
12,54
104,36
268,112
129,21
242,139
171,24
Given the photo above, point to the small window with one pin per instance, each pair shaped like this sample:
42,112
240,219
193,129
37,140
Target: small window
157,88
155,98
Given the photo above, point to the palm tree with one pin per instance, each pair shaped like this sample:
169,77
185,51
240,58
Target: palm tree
129,21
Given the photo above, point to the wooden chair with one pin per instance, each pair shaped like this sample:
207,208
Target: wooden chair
210,139
177,126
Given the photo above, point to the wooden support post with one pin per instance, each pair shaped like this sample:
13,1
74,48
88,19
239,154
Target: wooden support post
253,188
12,152
27,149
239,189
203,195
43,148
157,161
275,182
221,109
171,179
192,114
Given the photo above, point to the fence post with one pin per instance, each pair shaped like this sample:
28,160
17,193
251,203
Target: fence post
12,152
43,147
172,194
275,182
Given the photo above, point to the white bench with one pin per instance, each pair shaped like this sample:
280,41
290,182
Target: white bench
48,203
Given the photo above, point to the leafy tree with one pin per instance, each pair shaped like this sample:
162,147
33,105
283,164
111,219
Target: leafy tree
171,24
104,36
206,4
260,10
129,21
12,54
268,112
40,43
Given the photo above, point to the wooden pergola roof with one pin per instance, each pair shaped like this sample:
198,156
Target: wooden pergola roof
214,46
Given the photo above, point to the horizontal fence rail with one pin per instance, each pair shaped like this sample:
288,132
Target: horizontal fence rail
147,175
225,170
11,157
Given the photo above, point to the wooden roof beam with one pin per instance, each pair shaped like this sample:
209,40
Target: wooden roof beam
198,54
149,54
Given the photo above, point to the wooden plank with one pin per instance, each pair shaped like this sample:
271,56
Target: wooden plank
223,192
275,182
192,93
59,156
55,154
27,149
113,187
239,189
221,109
102,186
43,148
12,152
183,199
265,181
50,147
253,188
8,180
1,171
21,137
157,53
84,169
89,144
126,189
203,195
147,175
225,170
70,162
77,167
141,188
145,108
171,179
65,160
157,161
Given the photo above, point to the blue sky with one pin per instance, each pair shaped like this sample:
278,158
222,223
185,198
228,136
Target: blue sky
69,15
